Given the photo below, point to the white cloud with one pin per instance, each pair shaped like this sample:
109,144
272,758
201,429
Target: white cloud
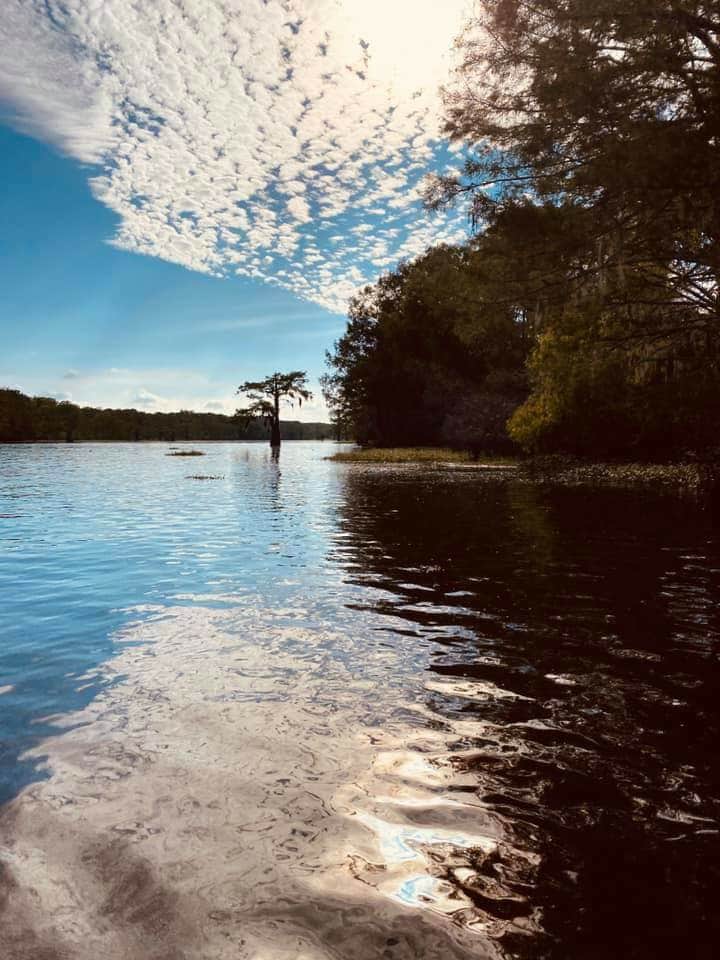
162,389
232,137
170,389
299,209
62,97
60,395
144,398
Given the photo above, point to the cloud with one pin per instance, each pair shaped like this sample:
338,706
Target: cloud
144,398
61,99
237,138
71,375
162,389
59,395
151,389
299,209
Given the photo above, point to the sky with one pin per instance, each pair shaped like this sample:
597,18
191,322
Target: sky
191,190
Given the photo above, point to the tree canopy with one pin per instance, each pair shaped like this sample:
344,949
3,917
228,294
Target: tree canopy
613,109
425,360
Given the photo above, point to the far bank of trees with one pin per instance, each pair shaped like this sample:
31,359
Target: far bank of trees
584,316
26,419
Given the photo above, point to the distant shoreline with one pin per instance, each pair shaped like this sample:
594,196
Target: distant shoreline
25,419
134,443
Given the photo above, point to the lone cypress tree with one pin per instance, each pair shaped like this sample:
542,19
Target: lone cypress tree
265,397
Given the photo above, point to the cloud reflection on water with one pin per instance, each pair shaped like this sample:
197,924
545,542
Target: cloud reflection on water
219,795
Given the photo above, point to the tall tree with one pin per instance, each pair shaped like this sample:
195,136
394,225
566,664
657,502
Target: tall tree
612,108
597,122
266,395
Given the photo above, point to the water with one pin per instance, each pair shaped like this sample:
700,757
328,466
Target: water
312,710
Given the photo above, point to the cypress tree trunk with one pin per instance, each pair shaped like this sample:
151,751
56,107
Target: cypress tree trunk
275,429
275,433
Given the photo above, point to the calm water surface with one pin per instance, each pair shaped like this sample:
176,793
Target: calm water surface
312,710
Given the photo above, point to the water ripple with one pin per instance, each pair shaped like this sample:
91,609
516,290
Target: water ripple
314,711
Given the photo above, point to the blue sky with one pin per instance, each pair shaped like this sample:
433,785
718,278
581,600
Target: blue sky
188,200
83,320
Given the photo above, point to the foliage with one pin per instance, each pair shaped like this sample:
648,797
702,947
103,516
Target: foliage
266,395
612,106
595,124
592,399
426,354
42,419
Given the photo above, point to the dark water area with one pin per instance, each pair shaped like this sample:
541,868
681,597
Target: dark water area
316,710
596,615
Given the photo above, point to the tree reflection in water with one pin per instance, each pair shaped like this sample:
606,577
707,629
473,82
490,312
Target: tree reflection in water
572,640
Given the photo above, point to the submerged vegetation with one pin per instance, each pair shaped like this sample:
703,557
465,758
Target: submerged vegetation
695,479
583,316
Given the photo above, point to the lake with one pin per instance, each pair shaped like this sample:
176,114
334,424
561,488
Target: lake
317,710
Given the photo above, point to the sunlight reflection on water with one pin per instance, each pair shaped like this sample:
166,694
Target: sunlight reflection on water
314,711
217,757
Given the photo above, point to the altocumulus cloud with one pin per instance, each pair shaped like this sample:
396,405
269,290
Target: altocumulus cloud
284,140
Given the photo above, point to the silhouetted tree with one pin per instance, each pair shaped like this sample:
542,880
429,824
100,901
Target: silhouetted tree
433,353
614,109
266,395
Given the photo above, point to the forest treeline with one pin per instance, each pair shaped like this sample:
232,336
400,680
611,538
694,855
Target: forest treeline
583,314
42,419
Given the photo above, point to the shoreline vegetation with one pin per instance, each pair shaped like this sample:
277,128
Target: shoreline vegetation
431,455
696,479
25,419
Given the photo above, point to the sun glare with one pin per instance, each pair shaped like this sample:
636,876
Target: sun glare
410,42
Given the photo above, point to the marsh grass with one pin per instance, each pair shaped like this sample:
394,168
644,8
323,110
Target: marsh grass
418,455
550,470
